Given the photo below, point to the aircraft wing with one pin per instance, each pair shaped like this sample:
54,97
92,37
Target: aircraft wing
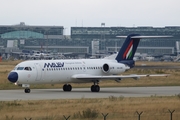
92,77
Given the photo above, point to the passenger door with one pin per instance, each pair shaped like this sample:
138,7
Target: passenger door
38,72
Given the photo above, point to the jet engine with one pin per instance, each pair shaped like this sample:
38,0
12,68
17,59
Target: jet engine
114,68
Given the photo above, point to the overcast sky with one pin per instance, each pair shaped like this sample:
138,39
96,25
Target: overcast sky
90,13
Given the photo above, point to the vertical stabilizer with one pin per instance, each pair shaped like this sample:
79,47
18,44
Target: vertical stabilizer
128,50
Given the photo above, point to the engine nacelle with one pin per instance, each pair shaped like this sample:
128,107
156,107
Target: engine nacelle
114,68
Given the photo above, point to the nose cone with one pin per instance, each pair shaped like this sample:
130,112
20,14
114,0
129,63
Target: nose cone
13,77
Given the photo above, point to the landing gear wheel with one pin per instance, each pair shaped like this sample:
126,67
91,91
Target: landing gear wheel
27,90
67,87
95,88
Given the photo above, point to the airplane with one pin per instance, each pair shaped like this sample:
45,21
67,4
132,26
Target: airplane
80,70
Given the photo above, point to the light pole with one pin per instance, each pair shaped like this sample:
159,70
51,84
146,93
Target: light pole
103,37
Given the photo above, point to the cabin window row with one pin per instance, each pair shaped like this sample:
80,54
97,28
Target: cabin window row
93,68
74,68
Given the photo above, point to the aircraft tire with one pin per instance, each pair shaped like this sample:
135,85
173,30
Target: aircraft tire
95,88
67,87
27,90
92,88
64,87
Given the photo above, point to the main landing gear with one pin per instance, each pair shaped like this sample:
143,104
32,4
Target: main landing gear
95,88
67,87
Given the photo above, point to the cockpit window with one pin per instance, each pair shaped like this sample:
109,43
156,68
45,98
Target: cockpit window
20,68
28,68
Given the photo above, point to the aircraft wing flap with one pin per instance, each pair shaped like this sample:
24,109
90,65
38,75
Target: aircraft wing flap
87,76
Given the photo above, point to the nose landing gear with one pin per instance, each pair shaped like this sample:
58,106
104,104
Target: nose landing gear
27,90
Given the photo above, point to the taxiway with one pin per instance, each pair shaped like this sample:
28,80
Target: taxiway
78,93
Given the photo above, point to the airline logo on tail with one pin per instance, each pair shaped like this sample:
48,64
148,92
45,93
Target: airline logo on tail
128,52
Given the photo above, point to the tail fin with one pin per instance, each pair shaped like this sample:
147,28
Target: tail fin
129,48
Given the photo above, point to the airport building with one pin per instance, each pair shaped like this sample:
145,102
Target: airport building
42,38
109,42
84,40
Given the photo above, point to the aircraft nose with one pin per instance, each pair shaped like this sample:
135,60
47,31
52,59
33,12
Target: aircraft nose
13,77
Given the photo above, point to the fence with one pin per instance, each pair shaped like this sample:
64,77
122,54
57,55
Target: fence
93,116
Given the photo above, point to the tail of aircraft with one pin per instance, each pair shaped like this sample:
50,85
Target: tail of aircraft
129,48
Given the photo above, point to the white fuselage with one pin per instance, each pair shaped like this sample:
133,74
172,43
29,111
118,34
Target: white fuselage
62,71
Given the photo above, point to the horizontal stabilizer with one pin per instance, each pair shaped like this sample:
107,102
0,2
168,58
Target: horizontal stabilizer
141,37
